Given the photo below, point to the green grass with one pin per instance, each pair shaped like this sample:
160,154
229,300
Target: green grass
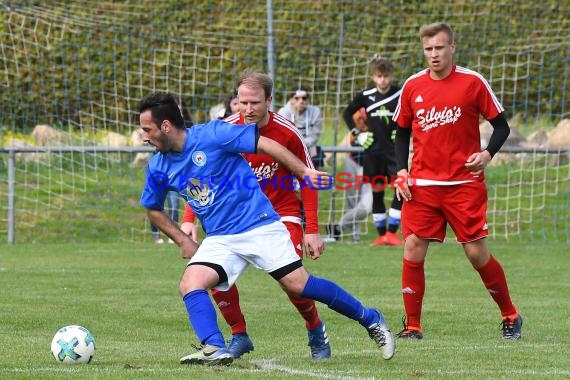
126,295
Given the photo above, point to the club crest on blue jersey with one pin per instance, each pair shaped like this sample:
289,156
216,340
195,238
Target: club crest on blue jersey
199,158
200,192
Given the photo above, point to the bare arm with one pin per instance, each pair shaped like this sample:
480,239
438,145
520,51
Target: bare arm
290,161
163,222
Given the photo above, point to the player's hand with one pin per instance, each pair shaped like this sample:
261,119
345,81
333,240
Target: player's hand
402,187
188,248
365,139
314,245
477,162
190,229
320,180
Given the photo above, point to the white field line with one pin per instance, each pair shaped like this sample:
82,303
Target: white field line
270,364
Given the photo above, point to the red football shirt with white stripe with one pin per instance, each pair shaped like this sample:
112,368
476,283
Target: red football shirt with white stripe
283,198
444,117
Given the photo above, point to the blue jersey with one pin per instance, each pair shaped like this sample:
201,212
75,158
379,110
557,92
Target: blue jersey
213,178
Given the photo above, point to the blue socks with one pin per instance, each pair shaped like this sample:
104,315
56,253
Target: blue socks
380,223
203,318
393,221
339,300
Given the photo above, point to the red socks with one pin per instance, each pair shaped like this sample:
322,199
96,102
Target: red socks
413,289
228,303
495,281
308,311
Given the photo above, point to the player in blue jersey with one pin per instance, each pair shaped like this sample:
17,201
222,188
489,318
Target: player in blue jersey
204,165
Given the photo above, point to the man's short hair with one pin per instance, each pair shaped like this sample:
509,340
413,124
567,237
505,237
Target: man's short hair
162,106
382,66
430,30
256,79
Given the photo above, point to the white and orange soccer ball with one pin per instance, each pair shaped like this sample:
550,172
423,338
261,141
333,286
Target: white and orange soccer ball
73,345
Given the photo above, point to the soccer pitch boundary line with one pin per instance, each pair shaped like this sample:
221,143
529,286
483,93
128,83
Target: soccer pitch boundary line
503,345
269,364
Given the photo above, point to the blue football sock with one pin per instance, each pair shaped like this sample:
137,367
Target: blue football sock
394,221
339,300
380,223
393,224
203,318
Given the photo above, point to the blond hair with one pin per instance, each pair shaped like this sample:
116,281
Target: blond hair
430,30
256,79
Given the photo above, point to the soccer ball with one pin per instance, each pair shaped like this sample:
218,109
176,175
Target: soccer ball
73,345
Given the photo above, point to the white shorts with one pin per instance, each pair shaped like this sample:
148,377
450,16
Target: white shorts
268,247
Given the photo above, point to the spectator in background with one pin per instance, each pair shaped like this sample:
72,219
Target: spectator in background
376,134
217,112
225,109
308,119
232,104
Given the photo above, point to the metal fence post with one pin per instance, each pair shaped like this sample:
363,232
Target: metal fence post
11,195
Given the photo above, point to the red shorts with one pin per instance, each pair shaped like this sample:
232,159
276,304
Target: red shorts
463,206
296,232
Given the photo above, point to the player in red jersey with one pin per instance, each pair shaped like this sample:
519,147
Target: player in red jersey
440,107
254,94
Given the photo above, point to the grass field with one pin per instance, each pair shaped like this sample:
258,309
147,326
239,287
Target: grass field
126,295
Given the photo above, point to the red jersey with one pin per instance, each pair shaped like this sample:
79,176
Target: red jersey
275,180
444,117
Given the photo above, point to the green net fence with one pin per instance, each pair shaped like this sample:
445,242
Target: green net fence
80,67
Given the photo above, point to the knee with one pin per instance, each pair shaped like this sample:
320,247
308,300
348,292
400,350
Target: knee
183,288
186,285
293,290
415,249
198,277
477,254
294,283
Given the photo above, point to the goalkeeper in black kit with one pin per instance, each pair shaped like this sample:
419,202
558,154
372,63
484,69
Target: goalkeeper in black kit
369,117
